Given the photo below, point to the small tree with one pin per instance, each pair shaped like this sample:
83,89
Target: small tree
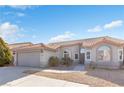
5,53
66,61
53,61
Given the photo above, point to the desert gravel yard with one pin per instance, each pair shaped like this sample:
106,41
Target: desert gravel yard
92,77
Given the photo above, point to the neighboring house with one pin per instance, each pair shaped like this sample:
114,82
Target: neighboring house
103,52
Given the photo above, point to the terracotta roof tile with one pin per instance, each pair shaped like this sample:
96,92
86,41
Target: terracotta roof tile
53,46
89,42
18,45
92,42
36,46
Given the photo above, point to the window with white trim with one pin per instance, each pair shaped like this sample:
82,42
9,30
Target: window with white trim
88,55
76,56
82,50
66,54
120,55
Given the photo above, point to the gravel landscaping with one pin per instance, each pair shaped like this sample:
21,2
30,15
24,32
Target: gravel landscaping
92,77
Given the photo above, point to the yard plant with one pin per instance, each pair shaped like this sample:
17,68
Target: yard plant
66,61
53,61
5,53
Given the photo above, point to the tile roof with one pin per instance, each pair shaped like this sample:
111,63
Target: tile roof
89,42
36,46
106,39
18,45
53,46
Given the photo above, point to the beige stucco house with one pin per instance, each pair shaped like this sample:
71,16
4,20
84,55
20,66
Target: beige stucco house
103,52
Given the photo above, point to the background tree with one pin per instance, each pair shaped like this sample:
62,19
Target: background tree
5,53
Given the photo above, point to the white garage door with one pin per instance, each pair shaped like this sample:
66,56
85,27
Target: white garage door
31,59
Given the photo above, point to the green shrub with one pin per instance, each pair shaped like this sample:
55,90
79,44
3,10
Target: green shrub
66,61
93,67
5,53
53,61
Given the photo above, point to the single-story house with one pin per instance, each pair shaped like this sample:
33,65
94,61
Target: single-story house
103,52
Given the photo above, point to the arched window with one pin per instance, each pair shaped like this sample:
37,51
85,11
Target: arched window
66,54
104,54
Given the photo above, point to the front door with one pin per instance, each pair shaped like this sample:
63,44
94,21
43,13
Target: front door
82,58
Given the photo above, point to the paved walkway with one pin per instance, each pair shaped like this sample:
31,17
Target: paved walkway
14,76
77,68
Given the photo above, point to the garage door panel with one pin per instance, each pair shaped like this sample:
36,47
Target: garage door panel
29,59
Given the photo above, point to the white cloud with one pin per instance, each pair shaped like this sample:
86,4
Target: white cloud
95,29
22,7
10,32
63,37
19,14
113,24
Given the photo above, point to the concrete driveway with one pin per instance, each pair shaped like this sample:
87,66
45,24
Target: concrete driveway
14,76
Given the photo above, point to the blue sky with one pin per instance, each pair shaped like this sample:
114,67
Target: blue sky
59,23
